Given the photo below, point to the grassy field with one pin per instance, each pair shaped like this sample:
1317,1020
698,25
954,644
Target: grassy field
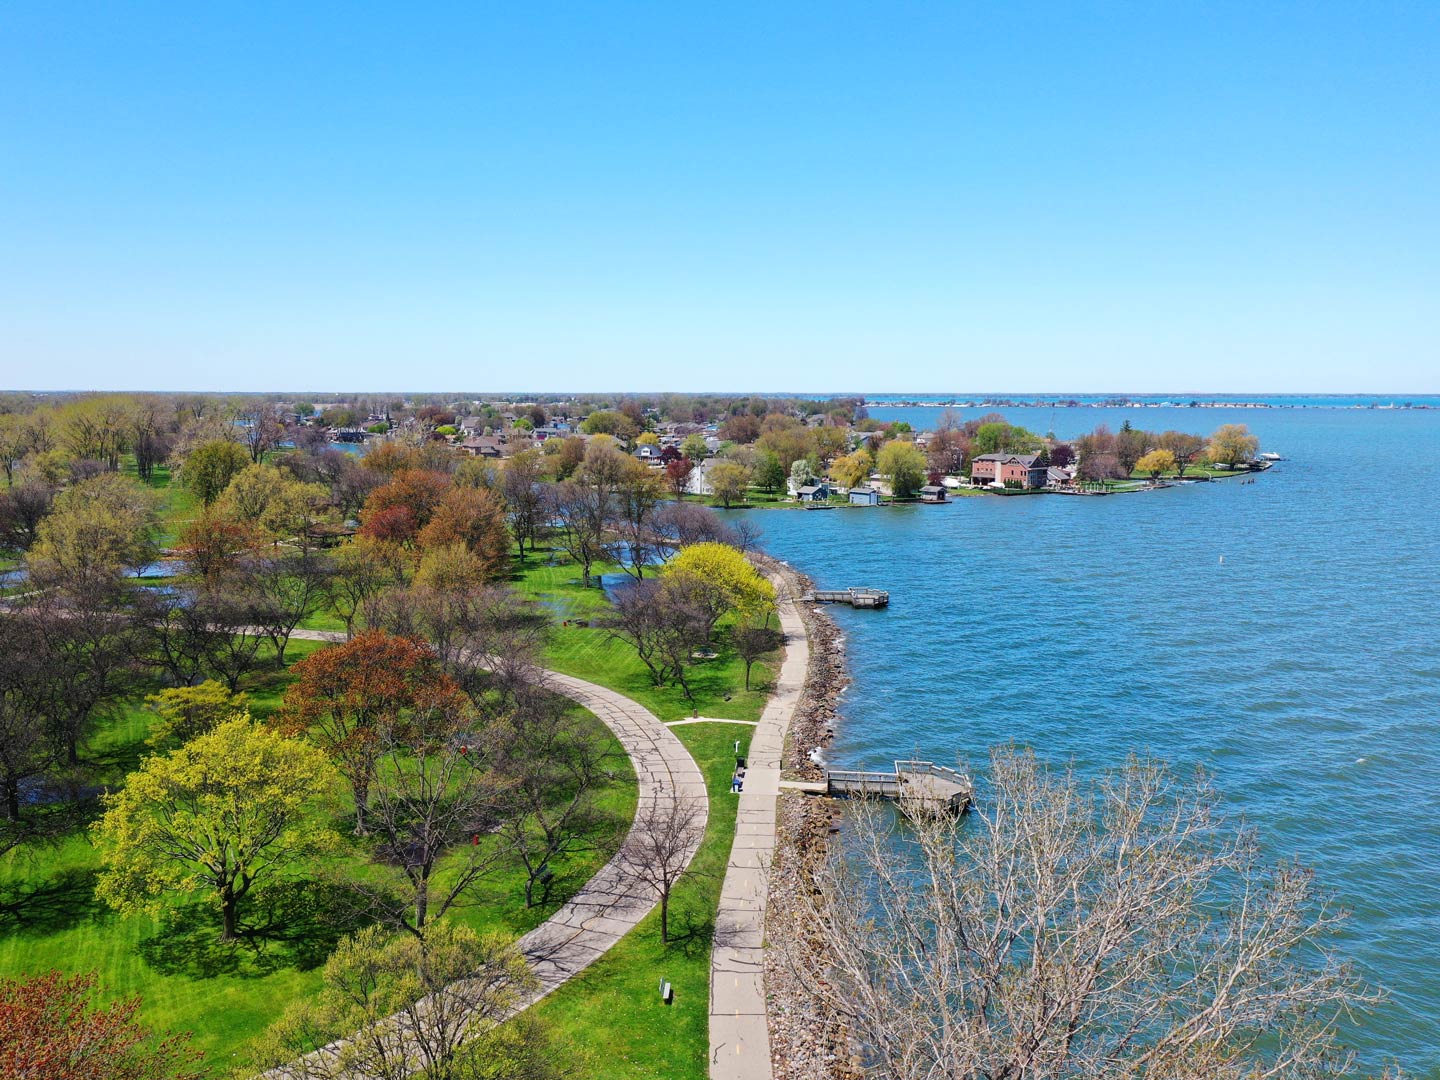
49,917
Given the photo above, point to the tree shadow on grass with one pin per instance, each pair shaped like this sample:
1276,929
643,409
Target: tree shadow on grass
692,932
291,925
50,907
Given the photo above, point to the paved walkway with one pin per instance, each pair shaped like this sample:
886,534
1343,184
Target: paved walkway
608,907
739,1029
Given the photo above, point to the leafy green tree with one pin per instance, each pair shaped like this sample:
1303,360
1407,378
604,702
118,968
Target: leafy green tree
769,473
96,528
904,465
695,449
211,466
224,811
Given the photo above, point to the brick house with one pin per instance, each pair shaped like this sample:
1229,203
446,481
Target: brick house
995,470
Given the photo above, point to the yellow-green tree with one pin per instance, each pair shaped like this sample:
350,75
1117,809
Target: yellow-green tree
723,580
224,811
729,480
1233,444
209,468
399,1007
97,528
275,502
851,469
904,465
185,712
1156,462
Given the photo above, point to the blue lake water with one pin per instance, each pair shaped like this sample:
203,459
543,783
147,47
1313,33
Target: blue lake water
1285,634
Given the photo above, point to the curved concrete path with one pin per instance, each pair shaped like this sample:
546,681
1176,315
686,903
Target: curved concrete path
739,1028
608,906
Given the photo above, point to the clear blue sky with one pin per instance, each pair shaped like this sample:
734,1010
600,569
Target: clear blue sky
875,197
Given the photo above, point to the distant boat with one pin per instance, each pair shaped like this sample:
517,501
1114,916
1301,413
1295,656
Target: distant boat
1270,456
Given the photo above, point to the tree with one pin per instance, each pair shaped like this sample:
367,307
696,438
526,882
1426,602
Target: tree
212,542
851,470
694,448
1185,447
582,511
474,518
1131,444
677,474
553,763
403,1008
1233,444
360,570
52,1027
632,518
97,528
1156,462
222,812
261,428
663,624
405,504
608,422
22,508
729,481
1117,928
271,500
752,641
904,465
769,472
522,487
723,580
284,590
208,469
27,748
185,712
662,841
346,698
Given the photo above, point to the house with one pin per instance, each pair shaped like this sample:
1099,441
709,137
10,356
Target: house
864,495
932,493
486,446
1009,470
698,482
814,493
648,453
1060,476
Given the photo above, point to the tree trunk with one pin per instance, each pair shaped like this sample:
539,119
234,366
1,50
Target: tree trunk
665,917
422,907
12,798
227,914
362,805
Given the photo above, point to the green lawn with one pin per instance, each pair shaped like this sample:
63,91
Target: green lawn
588,652
610,1020
49,917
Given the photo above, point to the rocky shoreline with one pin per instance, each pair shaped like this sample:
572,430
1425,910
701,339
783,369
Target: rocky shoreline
805,1042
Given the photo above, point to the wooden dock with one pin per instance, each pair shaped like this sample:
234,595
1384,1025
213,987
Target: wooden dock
914,784
859,598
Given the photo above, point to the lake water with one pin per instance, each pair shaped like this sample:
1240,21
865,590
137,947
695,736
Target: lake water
1285,634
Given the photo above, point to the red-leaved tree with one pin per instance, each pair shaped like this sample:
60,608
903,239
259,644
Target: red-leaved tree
51,1028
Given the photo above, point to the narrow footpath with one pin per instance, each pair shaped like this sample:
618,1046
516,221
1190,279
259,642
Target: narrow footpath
739,1028
607,907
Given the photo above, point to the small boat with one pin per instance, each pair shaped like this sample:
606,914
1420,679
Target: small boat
1269,456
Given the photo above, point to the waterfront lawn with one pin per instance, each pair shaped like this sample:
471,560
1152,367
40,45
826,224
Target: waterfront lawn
609,1018
588,652
188,981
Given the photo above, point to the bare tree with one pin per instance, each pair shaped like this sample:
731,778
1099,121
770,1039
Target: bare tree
526,500
663,623
286,589
752,642
663,839
582,511
1119,928
554,764
633,540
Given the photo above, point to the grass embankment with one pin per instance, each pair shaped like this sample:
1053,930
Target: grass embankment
226,994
